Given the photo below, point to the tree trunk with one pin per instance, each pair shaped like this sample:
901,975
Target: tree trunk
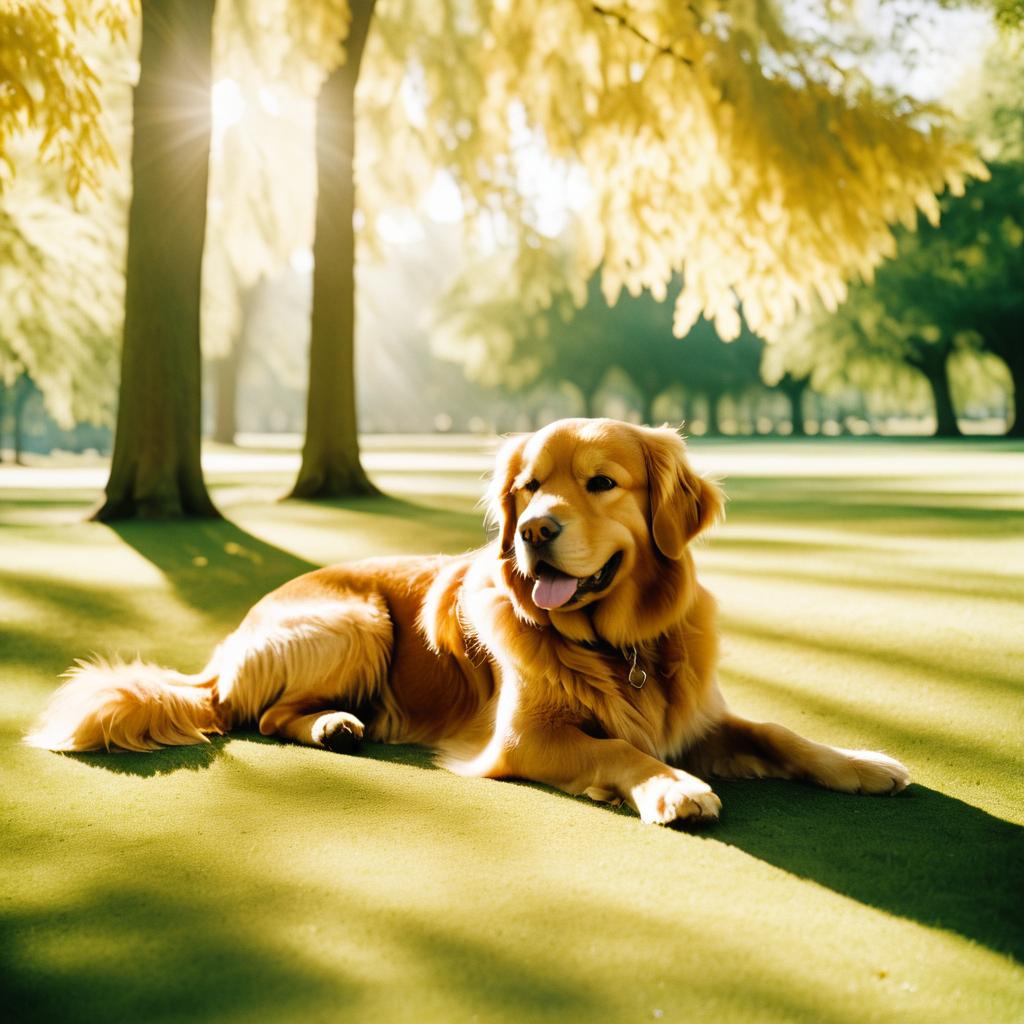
650,396
330,455
714,425
793,388
1011,350
933,361
586,400
225,393
1016,368
156,470
945,415
227,369
3,409
21,392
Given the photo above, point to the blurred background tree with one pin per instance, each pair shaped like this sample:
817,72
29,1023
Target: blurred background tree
261,202
509,348
954,287
64,91
51,88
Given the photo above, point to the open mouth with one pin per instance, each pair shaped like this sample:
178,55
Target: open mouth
553,588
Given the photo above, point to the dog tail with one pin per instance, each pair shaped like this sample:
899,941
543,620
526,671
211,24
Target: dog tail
129,705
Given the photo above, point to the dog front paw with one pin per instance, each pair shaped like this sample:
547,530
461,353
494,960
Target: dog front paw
868,771
664,799
861,771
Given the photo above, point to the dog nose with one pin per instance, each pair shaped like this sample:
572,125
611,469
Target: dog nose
540,530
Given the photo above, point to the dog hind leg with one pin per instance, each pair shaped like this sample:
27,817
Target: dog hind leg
297,666
339,731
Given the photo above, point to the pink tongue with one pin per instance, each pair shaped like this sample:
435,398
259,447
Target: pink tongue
551,591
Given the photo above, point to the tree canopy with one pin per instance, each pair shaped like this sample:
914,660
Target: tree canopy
954,286
499,343
64,93
737,148
48,85
735,153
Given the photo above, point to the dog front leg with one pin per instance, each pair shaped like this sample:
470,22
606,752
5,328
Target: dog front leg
609,769
740,749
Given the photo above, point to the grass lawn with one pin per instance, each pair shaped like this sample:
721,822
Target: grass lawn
871,596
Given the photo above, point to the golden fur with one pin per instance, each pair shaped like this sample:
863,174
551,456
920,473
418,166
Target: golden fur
478,656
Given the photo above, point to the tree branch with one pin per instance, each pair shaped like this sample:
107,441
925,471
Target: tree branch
617,16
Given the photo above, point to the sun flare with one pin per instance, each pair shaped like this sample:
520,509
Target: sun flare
228,105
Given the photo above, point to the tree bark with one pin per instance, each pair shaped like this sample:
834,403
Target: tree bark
933,361
225,393
1015,364
1011,350
22,390
714,424
227,369
793,388
156,470
330,455
586,400
650,396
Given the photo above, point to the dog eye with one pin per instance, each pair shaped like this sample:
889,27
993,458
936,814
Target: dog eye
532,486
600,483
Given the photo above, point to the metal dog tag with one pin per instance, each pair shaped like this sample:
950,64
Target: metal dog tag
637,676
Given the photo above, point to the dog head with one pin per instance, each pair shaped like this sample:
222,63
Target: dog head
594,519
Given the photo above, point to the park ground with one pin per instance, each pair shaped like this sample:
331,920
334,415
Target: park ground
871,596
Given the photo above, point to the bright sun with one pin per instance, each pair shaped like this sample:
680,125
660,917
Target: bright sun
228,105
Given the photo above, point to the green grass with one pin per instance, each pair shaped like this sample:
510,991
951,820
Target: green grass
871,596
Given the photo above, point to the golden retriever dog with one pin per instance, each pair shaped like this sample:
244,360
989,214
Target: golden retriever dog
576,650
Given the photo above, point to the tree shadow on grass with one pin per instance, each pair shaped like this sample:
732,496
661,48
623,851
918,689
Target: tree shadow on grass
943,667
402,523
922,855
212,564
869,506
732,557
402,753
198,756
221,570
155,762
128,953
141,950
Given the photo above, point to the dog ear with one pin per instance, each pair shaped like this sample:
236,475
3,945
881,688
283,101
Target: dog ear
501,502
682,503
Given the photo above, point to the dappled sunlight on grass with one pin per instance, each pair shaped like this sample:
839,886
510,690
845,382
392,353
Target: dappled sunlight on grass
886,853
975,763
877,459
214,565
883,609
309,876
870,605
345,530
824,563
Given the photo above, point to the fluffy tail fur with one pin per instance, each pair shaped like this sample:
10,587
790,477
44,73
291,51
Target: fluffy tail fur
130,705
